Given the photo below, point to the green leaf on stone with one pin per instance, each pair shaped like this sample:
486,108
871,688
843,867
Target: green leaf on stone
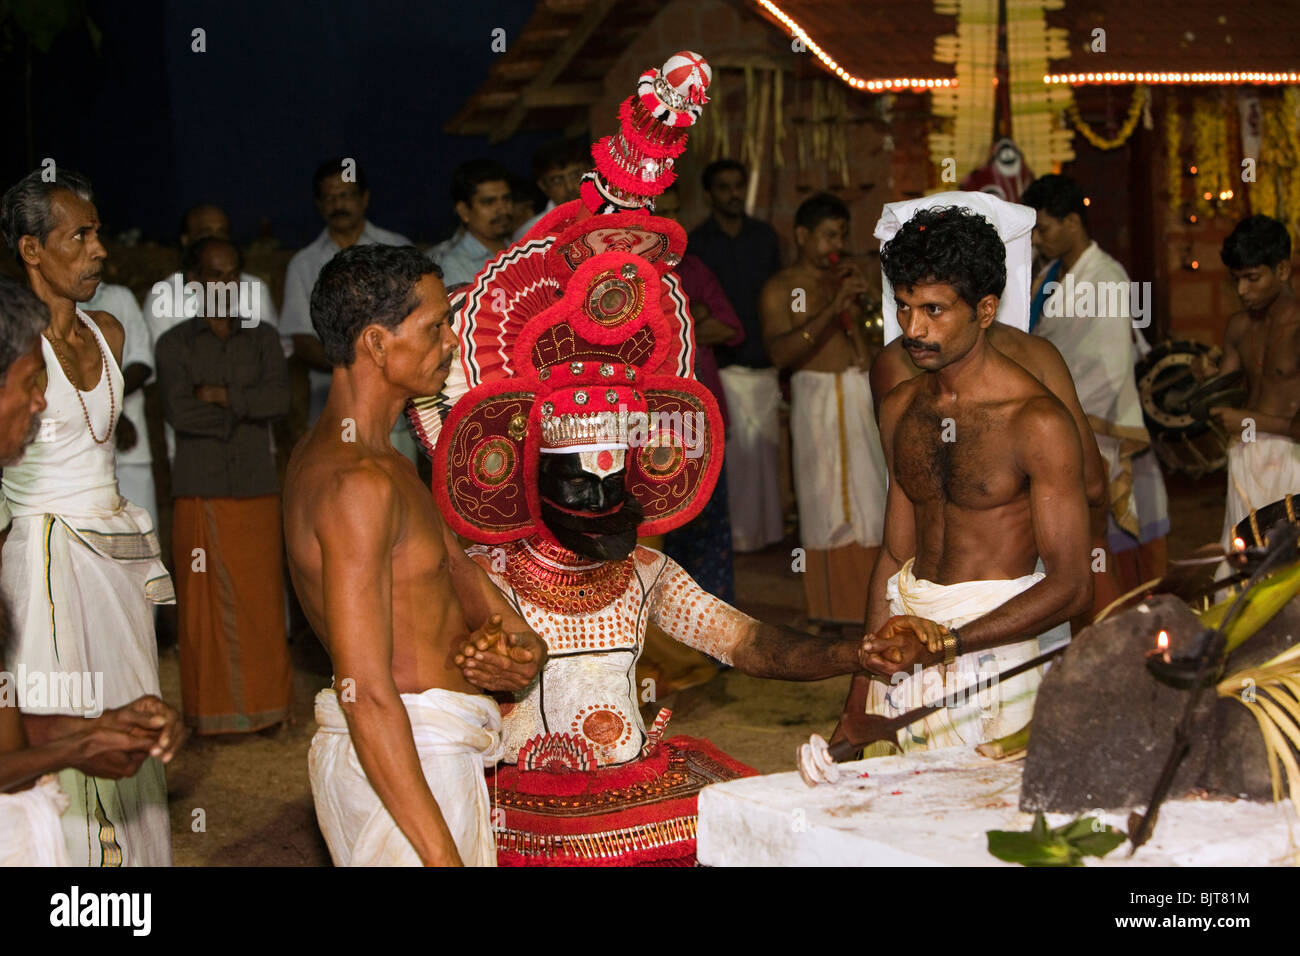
1065,845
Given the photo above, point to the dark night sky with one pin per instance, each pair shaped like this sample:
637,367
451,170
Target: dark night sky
281,87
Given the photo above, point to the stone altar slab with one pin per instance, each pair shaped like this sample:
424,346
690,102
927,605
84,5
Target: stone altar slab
933,809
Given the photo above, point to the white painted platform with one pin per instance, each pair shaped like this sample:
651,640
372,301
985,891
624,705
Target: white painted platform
933,809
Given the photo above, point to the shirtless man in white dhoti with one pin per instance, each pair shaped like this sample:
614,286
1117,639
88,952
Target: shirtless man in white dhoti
112,745
397,763
1263,341
81,565
986,477
812,323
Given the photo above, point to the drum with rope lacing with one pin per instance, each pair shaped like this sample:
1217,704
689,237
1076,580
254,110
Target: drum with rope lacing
1176,403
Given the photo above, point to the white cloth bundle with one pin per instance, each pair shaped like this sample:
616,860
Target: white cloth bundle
30,832
456,736
1014,224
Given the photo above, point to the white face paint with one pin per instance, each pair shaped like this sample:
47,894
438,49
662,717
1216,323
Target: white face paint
604,462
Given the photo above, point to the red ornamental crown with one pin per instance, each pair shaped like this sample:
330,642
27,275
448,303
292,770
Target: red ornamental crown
579,338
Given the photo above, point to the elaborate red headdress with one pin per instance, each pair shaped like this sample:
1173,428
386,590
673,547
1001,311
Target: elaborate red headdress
578,338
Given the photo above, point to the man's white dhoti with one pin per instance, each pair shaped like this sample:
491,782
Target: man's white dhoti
753,456
30,832
978,716
456,736
1259,473
81,571
839,467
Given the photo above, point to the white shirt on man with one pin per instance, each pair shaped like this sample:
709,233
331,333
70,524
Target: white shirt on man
306,265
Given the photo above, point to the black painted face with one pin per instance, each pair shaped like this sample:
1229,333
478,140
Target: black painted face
589,515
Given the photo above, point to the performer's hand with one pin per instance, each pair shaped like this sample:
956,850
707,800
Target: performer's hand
495,660
150,717
903,641
126,434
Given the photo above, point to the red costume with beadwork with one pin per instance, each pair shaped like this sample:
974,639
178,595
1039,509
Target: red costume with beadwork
578,341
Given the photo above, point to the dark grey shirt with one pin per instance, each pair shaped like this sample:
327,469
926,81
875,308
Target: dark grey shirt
742,264
223,452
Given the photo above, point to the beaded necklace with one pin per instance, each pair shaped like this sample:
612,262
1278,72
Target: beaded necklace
554,578
67,372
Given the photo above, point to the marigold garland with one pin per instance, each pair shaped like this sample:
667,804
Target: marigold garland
1174,154
1210,148
1125,130
1276,191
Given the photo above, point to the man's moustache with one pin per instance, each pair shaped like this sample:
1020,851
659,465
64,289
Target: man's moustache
918,344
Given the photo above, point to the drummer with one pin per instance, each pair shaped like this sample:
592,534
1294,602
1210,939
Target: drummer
1261,341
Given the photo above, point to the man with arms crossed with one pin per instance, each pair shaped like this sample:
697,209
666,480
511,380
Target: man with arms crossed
985,476
397,764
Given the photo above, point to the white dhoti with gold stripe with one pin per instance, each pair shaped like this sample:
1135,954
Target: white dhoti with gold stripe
81,595
81,573
839,467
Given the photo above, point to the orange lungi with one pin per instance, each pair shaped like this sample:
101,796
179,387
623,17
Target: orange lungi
235,671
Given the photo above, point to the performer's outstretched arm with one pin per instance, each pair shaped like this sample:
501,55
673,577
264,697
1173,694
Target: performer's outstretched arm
689,614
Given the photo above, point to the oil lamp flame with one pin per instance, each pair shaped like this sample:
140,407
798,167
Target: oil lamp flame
1239,544
1162,641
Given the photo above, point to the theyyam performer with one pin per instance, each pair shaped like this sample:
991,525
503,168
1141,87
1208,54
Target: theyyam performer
403,735
81,566
985,479
582,428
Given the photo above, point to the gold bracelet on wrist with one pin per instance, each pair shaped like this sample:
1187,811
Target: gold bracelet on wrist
949,646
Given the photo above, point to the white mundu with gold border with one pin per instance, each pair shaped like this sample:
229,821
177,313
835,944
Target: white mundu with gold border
80,573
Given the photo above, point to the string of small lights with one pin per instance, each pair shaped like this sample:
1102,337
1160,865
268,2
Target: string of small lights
1071,79
1093,79
857,82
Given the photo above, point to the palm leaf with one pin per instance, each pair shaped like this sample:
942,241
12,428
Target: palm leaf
1276,708
1267,598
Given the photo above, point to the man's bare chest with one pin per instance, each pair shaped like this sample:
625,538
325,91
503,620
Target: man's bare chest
963,457
1269,351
